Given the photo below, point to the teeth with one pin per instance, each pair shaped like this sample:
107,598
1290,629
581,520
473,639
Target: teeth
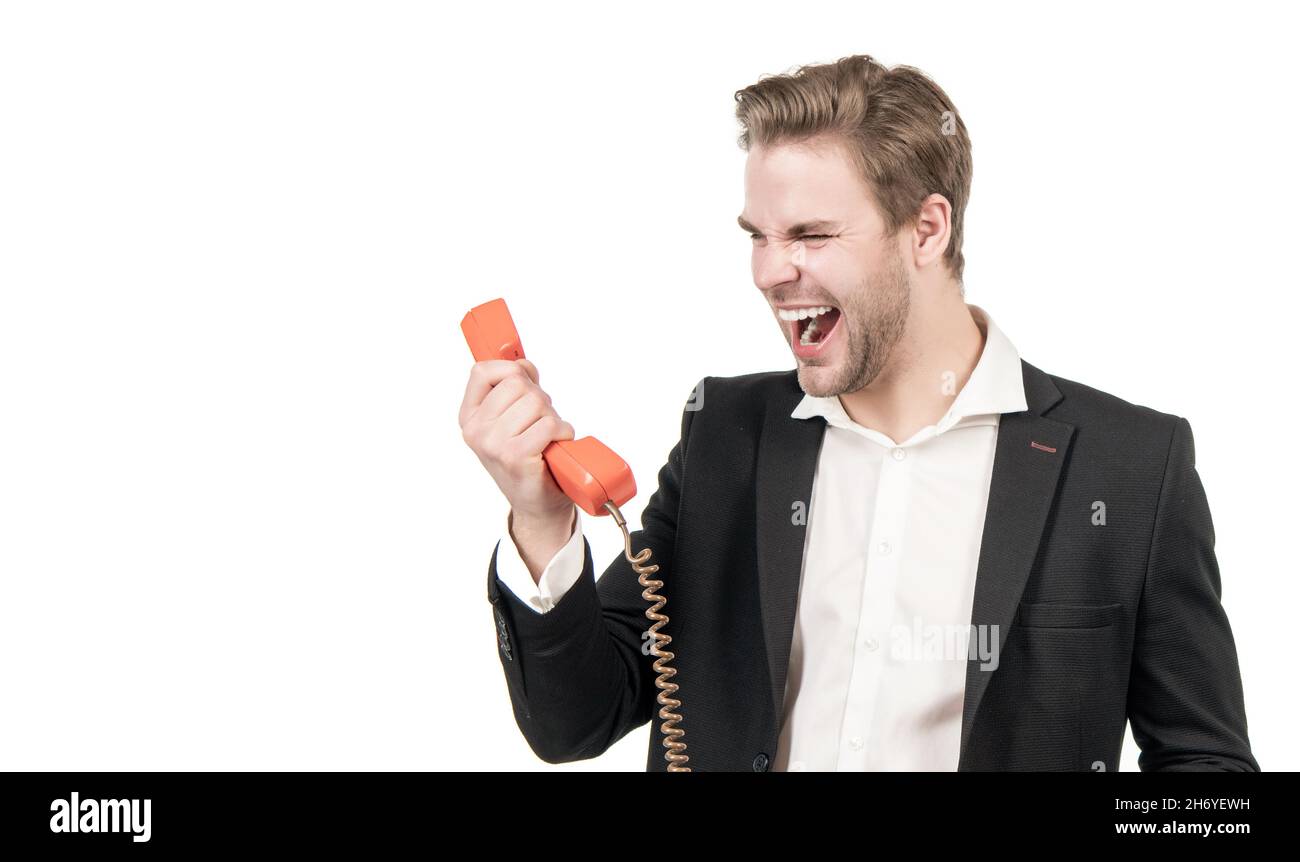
801,313
805,337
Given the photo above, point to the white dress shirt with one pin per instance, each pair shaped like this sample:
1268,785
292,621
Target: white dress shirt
877,670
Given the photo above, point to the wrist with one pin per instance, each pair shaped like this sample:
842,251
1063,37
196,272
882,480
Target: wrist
554,523
538,541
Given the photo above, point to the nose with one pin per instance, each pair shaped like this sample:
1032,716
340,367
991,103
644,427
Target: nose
775,263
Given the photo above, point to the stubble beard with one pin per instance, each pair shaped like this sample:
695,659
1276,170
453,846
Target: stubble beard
878,312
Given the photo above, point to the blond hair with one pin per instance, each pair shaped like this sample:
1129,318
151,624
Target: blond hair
900,129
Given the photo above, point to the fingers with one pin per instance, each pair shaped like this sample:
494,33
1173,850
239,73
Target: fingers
527,407
541,433
531,369
508,421
485,376
503,396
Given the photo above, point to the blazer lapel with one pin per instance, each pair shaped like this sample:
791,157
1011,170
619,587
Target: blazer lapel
1026,469
787,459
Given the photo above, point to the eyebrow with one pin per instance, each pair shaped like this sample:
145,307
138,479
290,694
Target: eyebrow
794,230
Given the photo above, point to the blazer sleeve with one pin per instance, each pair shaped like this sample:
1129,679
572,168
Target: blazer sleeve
557,576
1185,701
578,676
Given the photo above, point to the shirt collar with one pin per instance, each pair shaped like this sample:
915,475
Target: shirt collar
996,386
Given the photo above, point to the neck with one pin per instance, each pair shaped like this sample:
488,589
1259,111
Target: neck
927,369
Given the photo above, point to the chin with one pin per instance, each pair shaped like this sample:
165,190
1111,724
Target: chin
820,381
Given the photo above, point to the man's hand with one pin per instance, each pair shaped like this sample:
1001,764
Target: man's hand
508,420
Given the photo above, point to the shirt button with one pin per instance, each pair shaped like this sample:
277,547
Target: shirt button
856,743
797,766
760,762
900,454
870,643
883,547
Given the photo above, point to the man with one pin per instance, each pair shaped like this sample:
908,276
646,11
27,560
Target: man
915,551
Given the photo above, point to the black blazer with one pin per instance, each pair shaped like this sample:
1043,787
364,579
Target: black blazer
1097,624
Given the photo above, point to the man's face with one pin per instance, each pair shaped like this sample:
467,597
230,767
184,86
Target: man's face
836,283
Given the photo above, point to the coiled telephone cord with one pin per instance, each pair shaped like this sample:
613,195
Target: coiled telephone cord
672,733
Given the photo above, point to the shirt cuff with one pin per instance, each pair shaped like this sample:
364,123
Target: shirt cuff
560,573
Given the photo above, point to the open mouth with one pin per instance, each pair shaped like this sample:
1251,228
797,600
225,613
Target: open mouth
812,324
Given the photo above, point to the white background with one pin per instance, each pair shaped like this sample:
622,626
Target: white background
238,526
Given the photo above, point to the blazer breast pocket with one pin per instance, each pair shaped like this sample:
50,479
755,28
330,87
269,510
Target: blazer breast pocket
1063,615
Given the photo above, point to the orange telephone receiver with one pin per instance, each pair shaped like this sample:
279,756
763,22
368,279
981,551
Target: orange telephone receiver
587,471
592,476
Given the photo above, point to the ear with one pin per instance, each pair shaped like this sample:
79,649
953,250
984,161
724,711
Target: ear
933,230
